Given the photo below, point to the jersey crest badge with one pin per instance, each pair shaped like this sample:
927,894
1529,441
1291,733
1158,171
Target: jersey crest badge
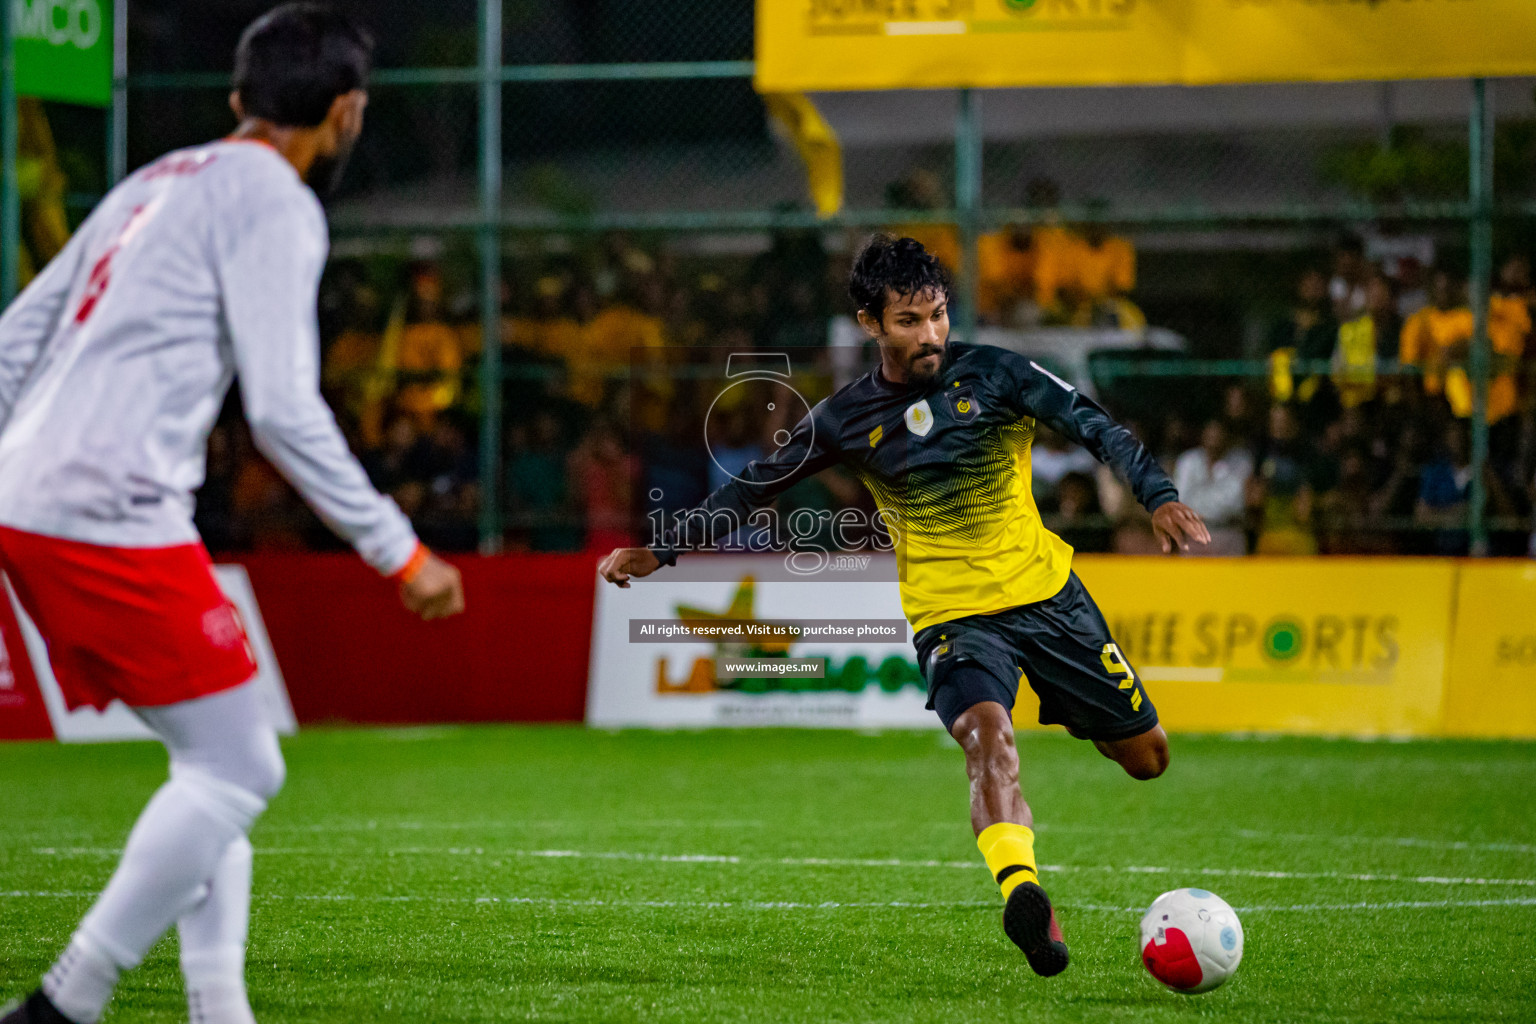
920,418
962,402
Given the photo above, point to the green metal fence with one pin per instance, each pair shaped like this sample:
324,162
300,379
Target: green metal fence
975,202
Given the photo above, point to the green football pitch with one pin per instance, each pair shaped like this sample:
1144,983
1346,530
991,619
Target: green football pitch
557,874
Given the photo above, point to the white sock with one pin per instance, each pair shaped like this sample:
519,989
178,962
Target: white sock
213,938
81,982
172,853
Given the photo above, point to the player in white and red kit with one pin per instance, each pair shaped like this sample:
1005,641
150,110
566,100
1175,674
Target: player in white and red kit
114,363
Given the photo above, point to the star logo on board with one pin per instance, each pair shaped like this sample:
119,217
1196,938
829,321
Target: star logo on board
741,609
919,418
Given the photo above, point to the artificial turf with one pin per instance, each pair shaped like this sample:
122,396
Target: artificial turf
558,874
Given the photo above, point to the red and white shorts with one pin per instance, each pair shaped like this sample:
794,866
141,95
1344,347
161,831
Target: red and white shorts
148,626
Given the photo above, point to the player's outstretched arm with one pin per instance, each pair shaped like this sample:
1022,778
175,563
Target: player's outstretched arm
1078,418
812,447
1176,525
625,563
269,258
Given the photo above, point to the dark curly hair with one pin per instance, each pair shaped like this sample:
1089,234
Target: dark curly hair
294,61
899,266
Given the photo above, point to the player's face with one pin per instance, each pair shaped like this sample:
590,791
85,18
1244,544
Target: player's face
914,330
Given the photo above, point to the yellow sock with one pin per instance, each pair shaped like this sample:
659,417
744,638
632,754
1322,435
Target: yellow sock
1009,850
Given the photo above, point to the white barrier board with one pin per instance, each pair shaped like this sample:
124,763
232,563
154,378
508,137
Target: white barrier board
671,684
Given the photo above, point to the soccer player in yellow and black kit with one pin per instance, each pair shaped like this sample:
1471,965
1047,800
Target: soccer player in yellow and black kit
940,433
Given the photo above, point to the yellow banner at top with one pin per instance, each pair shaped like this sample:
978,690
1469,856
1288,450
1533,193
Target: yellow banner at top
809,45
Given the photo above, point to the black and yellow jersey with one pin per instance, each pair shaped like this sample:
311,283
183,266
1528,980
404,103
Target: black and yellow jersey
948,464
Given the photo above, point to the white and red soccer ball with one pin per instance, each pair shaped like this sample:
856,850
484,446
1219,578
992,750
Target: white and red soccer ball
1191,940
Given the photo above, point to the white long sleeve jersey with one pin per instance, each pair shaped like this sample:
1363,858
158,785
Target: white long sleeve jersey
115,361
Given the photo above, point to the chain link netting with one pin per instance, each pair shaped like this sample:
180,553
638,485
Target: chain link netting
621,31
1267,282
201,37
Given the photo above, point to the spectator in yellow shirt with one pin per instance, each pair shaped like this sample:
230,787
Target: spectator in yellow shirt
609,341
1053,255
1104,273
427,354
1052,252
1363,341
1434,333
1439,339
1106,264
552,330
1509,327
1005,273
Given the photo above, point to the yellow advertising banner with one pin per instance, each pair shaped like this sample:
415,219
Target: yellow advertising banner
905,44
1491,690
810,45
1344,40
1335,646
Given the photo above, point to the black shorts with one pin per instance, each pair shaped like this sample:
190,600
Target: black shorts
1062,645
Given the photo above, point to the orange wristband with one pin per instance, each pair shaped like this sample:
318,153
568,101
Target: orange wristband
412,566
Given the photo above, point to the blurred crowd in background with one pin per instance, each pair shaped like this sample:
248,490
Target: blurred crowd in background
1326,406
1353,439
1353,436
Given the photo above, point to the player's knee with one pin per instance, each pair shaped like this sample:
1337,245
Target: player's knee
215,795
274,774
1148,762
267,770
256,766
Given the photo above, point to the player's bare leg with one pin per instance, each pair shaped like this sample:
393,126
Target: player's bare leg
1143,757
985,733
1002,822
